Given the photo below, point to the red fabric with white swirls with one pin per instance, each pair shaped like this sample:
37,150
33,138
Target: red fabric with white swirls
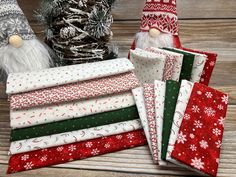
76,151
76,91
200,135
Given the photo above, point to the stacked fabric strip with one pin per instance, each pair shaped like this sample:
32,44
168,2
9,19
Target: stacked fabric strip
73,112
173,64
183,123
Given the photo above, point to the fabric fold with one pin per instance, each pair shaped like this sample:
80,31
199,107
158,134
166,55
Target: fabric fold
76,151
171,96
160,89
75,91
121,115
200,135
148,66
65,111
72,137
209,65
29,81
139,100
173,63
187,65
149,99
183,98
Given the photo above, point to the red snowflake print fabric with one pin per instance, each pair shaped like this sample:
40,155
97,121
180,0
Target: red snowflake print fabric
76,151
76,91
209,66
200,136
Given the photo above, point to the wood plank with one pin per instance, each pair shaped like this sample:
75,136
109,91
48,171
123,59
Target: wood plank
132,9
137,160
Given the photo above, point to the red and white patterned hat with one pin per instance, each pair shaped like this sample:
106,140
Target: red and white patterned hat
160,14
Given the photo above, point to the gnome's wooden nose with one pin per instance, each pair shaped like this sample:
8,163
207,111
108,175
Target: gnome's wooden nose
153,32
16,41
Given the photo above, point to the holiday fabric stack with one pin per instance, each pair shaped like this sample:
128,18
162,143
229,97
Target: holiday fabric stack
74,112
183,123
173,64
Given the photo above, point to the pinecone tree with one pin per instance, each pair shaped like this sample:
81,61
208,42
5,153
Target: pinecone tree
78,30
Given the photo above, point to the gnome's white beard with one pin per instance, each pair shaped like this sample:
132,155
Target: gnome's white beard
31,56
144,40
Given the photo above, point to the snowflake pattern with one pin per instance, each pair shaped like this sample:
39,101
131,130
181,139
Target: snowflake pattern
89,144
209,111
44,158
28,165
208,94
221,121
186,116
203,144
195,109
59,149
197,163
25,157
107,145
220,107
181,138
225,99
193,147
212,63
197,124
192,136
95,152
119,137
72,148
218,144
216,131
130,136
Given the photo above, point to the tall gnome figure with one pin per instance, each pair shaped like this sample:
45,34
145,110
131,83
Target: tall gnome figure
20,50
159,25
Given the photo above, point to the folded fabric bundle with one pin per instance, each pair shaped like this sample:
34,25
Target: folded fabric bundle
209,65
111,117
65,111
75,91
171,96
28,81
198,65
187,65
173,64
75,151
148,66
74,136
200,135
160,91
183,98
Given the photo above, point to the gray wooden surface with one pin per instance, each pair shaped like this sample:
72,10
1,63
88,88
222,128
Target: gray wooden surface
205,24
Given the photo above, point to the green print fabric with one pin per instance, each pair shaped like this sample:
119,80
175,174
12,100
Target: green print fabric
187,65
171,96
126,114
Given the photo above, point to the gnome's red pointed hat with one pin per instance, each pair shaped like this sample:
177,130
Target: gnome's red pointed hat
160,14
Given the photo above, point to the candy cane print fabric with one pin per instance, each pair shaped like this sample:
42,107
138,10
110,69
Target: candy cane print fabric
76,151
65,111
28,81
200,135
148,66
159,88
198,65
72,137
173,63
183,98
76,91
209,65
139,100
149,98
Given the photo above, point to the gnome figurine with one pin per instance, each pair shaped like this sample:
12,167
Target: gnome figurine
159,25
20,50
